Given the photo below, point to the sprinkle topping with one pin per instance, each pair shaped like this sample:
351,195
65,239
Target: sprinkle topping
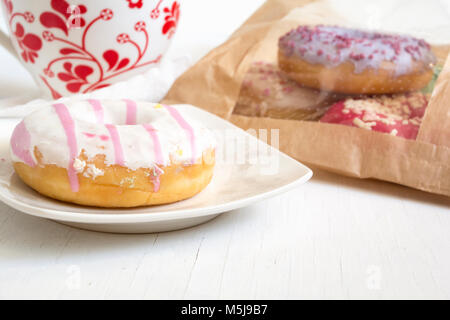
399,115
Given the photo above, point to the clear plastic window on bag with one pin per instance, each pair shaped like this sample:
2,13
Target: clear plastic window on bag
370,80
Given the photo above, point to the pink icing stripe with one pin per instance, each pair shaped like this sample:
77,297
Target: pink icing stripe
158,154
20,144
98,110
157,172
118,152
131,112
69,128
156,143
189,130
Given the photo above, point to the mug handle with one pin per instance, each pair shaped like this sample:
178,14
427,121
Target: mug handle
5,42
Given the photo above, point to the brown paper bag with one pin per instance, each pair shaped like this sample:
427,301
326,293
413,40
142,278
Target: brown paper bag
214,84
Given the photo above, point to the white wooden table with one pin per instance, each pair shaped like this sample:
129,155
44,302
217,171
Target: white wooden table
334,237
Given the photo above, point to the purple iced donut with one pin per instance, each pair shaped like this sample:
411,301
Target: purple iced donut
401,63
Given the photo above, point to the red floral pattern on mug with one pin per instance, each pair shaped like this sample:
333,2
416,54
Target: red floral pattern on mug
48,36
112,58
172,18
75,78
49,73
123,38
29,17
135,3
106,14
140,26
155,12
8,6
80,67
83,77
64,17
28,42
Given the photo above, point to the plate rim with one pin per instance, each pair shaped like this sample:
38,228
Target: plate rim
109,218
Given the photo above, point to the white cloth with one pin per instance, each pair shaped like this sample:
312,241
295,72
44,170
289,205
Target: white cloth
150,86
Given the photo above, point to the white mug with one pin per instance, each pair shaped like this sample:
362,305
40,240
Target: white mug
72,48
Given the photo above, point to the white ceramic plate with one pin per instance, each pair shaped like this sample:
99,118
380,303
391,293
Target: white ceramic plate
242,177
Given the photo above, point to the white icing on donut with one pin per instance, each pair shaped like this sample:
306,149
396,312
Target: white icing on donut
133,135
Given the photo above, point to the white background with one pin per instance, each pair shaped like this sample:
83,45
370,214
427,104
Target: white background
334,237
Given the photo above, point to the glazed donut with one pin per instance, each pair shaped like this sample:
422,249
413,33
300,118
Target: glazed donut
268,92
355,62
113,153
399,115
